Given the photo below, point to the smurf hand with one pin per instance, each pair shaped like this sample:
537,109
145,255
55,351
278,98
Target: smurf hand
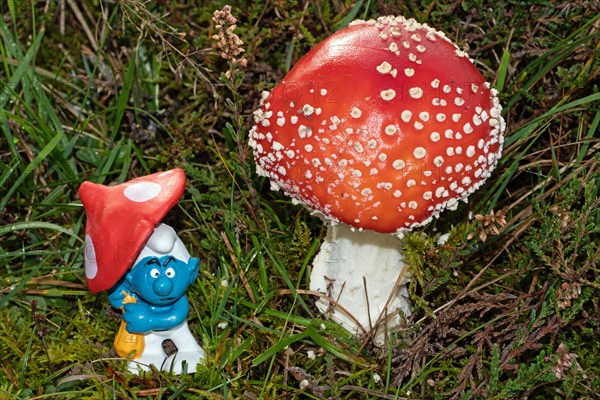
136,315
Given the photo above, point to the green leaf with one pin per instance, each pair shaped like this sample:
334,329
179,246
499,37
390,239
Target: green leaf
344,22
22,69
123,97
503,70
31,167
273,350
333,349
20,226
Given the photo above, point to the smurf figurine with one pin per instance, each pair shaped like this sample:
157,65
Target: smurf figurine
145,267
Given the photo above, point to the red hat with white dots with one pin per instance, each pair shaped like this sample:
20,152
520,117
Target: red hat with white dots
120,219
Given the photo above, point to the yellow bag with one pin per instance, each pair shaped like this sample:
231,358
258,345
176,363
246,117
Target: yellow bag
128,344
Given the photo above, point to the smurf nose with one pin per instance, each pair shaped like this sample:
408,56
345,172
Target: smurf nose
163,286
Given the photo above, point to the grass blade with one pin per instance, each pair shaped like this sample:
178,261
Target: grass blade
503,70
31,167
276,348
344,22
333,349
526,130
19,226
123,97
586,144
22,69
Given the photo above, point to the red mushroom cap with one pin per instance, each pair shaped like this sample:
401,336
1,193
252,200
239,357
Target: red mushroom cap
120,219
381,126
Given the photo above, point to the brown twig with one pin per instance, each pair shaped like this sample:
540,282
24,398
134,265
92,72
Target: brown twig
241,272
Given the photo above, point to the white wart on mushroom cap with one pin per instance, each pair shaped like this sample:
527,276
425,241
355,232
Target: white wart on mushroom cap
382,126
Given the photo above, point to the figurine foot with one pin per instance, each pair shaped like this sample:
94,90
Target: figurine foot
188,351
175,362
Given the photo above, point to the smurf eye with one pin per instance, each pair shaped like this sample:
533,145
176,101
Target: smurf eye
170,272
154,273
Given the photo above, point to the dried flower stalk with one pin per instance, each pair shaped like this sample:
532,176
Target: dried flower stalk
228,42
491,224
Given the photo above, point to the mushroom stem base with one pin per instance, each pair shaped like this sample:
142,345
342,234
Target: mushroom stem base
364,273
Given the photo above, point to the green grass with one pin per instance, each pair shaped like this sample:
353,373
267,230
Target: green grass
129,88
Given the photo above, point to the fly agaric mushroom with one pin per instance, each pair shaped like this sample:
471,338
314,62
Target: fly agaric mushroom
378,129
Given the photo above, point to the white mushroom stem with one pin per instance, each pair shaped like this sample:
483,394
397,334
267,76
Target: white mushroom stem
364,273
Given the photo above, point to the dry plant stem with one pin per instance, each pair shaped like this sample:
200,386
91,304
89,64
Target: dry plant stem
84,25
240,270
382,321
365,272
325,298
545,182
61,6
158,31
370,392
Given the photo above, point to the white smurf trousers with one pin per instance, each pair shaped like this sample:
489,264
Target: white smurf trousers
188,351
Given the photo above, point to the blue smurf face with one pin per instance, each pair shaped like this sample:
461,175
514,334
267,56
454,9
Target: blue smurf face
161,281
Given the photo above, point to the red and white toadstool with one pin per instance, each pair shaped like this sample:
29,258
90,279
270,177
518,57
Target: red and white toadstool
378,129
120,219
